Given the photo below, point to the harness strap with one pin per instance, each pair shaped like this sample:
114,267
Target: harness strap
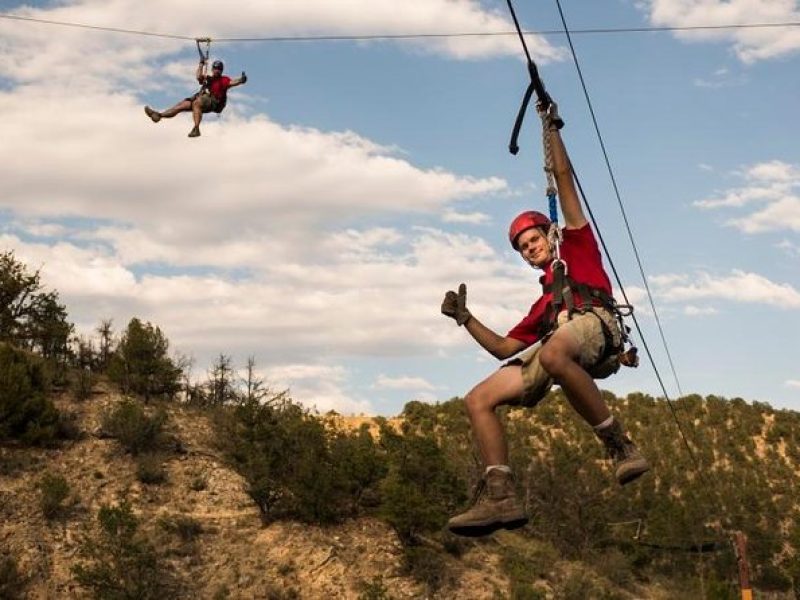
204,54
575,297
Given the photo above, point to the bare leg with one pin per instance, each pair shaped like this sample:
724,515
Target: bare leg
500,387
197,115
182,106
559,357
496,504
197,112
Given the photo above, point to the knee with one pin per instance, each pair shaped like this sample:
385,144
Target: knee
477,401
553,360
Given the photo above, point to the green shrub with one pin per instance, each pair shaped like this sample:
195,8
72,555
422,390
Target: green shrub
222,593
186,528
615,566
141,364
83,383
150,469
525,561
421,488
427,566
580,584
119,564
374,590
295,466
198,483
131,426
278,592
12,583
53,490
526,591
26,414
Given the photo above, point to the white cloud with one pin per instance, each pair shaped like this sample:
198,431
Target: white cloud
473,218
322,387
750,45
790,248
227,218
384,382
699,311
739,286
35,50
326,306
771,187
783,214
775,170
792,383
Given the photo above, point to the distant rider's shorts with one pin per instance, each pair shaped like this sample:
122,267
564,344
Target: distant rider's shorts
588,331
208,103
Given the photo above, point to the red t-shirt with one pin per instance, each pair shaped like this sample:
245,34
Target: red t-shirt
218,86
584,265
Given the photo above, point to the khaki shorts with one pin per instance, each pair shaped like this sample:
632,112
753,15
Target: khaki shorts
208,103
588,332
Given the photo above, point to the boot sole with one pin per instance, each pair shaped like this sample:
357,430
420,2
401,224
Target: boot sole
154,116
481,529
633,472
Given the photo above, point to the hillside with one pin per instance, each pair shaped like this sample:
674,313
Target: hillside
195,518
234,556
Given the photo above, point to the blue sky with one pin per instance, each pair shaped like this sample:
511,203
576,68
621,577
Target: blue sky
317,224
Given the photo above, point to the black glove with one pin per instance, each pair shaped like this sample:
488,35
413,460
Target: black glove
454,305
243,77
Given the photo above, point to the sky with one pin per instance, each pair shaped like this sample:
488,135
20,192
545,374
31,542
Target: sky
317,223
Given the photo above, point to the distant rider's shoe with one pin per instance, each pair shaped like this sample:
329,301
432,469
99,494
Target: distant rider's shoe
629,464
195,132
153,114
495,506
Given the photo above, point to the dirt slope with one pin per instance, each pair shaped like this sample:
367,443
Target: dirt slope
236,556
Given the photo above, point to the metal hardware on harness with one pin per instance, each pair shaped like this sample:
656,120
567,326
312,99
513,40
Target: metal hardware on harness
554,236
204,54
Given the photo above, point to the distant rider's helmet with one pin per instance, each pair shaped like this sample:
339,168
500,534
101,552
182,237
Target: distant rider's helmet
217,64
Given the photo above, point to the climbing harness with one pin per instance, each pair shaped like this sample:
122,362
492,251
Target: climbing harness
205,89
567,294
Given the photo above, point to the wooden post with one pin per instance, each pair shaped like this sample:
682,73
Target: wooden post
740,548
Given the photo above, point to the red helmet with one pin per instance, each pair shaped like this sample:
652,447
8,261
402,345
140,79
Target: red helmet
526,220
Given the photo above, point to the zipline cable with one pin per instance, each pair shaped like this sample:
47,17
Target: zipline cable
405,36
544,99
623,211
715,492
532,69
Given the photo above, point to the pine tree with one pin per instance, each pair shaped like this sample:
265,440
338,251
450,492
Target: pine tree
140,364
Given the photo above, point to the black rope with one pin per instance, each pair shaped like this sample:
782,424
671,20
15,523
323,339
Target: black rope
536,85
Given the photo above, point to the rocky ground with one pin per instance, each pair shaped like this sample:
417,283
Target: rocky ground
235,555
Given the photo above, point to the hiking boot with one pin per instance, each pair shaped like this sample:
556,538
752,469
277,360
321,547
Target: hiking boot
494,506
153,114
628,461
195,132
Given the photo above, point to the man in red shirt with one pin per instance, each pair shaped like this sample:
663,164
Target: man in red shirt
576,347
211,98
